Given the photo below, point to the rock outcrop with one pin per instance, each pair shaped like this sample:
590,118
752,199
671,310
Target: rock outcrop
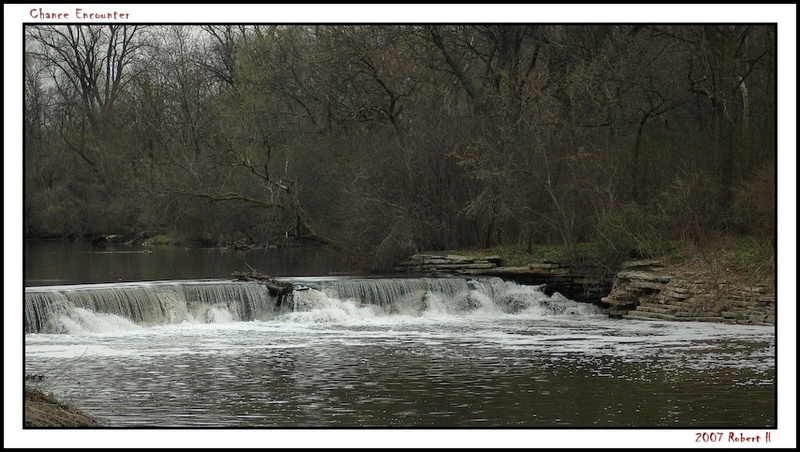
447,264
647,290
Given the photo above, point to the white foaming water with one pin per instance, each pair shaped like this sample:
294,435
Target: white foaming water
93,308
436,307
219,315
313,306
430,353
79,321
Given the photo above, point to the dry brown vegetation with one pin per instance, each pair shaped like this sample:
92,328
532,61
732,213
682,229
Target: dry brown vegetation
45,411
384,140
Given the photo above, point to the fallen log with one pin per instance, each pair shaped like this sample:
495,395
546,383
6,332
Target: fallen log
276,288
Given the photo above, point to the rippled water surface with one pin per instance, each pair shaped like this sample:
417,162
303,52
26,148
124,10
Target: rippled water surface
348,365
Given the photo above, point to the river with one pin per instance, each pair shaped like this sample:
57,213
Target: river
196,350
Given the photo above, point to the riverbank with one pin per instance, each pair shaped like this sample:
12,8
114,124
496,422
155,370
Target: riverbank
43,410
653,290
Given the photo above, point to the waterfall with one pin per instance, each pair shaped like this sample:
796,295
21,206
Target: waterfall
78,308
147,303
395,293
445,295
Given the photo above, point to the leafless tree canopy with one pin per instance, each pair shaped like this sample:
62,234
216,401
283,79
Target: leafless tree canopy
383,140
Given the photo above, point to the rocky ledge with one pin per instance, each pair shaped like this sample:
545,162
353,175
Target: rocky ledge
648,290
447,264
644,290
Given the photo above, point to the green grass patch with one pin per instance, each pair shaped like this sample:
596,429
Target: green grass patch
163,239
744,258
519,256
747,259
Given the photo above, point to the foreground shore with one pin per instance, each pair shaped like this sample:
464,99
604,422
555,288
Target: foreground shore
43,410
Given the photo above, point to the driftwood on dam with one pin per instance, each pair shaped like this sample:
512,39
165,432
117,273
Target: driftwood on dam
276,288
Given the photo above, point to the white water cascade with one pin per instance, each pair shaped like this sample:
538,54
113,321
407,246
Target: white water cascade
80,308
52,309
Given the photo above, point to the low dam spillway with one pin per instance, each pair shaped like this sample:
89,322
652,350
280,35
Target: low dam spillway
93,307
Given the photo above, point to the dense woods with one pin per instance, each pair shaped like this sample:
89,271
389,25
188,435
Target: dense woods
384,140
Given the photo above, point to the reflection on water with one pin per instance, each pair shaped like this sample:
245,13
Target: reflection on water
469,372
54,263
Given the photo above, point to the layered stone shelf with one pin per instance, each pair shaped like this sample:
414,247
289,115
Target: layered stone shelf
447,264
645,290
